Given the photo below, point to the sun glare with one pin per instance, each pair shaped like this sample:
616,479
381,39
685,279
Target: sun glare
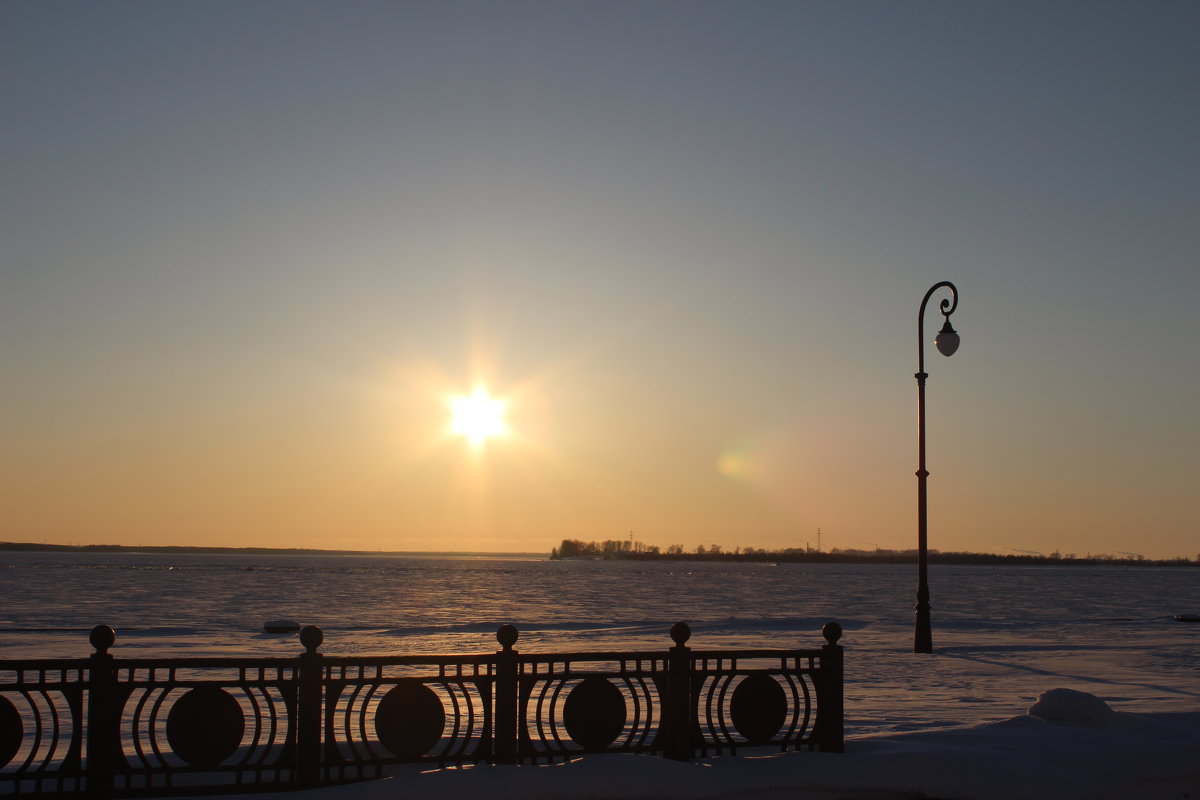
478,417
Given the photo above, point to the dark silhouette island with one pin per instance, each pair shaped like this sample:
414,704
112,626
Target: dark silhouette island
628,549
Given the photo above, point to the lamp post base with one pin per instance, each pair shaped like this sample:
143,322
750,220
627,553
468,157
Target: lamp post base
923,639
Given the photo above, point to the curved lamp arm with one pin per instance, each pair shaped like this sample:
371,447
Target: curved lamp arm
947,338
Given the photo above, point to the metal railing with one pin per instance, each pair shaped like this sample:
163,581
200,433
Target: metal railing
108,727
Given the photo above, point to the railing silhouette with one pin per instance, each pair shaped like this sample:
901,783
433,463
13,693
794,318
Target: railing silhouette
108,727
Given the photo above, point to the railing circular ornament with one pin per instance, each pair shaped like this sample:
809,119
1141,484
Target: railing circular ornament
205,726
680,633
758,708
832,632
410,719
594,714
12,731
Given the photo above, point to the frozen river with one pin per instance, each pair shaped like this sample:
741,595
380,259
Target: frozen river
1002,635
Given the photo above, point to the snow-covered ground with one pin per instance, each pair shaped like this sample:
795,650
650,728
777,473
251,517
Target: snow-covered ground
1071,746
1012,713
1015,714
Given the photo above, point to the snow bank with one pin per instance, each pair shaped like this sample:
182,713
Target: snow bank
1070,746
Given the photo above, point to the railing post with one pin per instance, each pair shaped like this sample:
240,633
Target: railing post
677,711
505,736
103,745
309,708
830,704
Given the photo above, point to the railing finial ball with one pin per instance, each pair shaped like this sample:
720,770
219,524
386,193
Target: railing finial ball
832,632
311,637
507,635
102,638
680,633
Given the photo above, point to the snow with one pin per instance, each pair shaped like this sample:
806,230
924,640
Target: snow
1054,712
1070,746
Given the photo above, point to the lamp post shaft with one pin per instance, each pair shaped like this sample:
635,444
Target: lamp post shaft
923,637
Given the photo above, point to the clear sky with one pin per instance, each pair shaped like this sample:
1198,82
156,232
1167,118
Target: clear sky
252,250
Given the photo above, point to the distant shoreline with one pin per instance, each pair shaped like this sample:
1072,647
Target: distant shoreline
756,556
892,557
629,550
38,547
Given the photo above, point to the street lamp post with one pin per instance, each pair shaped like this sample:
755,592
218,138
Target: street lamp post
946,342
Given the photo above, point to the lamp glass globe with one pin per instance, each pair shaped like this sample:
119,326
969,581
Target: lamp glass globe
946,340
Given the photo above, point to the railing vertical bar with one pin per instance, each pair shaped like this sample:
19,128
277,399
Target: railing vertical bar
678,714
721,681
139,710
360,698
791,677
635,730
652,719
549,714
272,701
461,750
830,708
484,750
55,729
252,753
73,760
505,734
309,706
809,733
103,721
456,725
39,733
525,745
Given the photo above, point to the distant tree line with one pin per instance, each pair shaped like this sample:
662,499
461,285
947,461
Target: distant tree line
609,548
627,549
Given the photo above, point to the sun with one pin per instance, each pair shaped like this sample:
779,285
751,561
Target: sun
478,416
